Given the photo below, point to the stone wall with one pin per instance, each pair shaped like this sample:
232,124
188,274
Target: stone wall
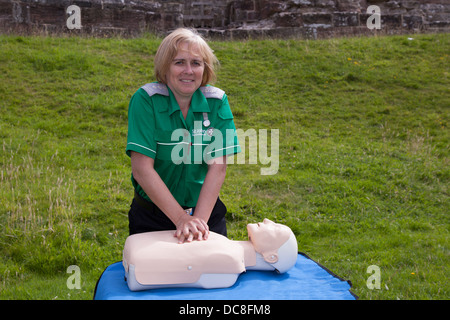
227,18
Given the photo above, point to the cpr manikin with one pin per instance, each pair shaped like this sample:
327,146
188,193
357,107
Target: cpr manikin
156,259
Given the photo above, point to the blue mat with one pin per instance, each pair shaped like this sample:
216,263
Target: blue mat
308,280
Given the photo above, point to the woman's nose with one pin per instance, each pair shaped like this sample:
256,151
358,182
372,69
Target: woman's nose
188,68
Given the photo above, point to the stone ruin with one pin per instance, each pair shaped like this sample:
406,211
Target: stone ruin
226,18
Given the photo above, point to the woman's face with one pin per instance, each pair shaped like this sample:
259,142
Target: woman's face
186,71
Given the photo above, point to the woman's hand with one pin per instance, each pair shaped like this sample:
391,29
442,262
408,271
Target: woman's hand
191,228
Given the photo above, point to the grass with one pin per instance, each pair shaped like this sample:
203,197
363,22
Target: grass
363,155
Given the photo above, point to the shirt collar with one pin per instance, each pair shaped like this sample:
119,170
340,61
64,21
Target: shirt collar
198,102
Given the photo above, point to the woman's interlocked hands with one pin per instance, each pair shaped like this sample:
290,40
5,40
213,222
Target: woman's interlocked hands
191,228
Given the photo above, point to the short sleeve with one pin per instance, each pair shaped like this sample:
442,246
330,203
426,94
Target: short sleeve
226,140
141,125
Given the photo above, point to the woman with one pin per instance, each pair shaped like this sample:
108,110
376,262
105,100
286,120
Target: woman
175,189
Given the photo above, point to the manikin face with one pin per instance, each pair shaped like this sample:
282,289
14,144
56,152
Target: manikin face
267,237
265,231
186,71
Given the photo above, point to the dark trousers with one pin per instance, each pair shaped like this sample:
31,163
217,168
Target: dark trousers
144,216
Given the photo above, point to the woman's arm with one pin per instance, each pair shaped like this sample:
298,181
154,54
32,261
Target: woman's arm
188,227
217,169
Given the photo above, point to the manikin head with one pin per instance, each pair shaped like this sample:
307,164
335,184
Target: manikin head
275,242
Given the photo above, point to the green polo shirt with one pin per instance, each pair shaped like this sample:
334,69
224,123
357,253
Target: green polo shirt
181,147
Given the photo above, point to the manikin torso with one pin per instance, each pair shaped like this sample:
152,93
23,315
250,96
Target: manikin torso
156,259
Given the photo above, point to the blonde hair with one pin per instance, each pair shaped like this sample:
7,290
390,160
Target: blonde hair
168,49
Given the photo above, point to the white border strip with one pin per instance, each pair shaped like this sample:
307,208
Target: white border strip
141,146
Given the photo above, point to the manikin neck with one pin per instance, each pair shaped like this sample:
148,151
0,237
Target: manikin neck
252,259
